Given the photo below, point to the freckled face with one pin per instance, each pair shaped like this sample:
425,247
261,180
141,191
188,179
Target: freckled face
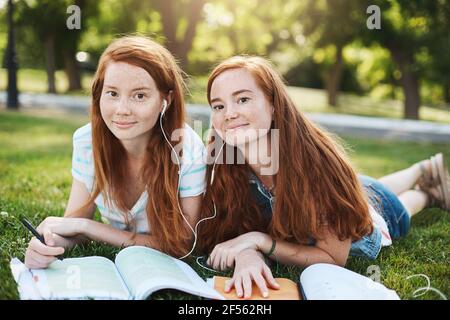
130,102
240,111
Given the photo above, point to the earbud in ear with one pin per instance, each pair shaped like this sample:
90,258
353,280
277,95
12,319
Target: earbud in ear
164,106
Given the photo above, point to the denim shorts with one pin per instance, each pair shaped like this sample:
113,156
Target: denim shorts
387,204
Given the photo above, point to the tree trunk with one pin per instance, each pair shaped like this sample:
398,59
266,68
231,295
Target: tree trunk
194,16
232,32
180,49
409,82
333,78
49,45
72,70
410,86
12,100
446,90
169,24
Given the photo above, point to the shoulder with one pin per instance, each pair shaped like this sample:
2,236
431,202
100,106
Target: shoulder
190,136
82,137
82,156
193,146
193,166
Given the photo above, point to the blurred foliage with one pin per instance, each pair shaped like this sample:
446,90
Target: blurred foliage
300,37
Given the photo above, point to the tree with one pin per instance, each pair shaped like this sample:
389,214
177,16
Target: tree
438,44
11,61
179,24
43,18
176,20
249,27
70,40
334,24
46,21
406,29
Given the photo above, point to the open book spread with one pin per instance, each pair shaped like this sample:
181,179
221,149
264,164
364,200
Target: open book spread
136,273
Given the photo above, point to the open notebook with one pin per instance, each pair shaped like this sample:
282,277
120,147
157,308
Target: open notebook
324,281
136,273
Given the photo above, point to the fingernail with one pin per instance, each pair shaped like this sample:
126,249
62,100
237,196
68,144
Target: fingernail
265,294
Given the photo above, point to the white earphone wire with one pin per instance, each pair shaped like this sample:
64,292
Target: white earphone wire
179,171
194,230
214,205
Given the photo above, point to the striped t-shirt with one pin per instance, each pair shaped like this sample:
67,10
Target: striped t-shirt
192,181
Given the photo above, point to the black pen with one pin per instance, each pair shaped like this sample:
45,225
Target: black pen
35,233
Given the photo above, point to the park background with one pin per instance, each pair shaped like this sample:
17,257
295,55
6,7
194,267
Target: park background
333,62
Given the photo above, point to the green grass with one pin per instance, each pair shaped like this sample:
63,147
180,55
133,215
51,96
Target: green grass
308,100
35,162
33,80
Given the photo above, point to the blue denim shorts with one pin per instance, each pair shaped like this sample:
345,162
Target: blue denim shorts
387,204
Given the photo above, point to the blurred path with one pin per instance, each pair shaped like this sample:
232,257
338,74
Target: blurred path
385,128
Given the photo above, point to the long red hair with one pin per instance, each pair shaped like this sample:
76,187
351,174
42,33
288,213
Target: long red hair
159,172
315,182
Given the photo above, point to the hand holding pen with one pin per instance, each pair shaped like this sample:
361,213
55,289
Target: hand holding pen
39,253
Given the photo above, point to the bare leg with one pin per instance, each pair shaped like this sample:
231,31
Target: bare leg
401,181
413,200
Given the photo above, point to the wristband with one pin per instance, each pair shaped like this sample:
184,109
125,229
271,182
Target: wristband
272,249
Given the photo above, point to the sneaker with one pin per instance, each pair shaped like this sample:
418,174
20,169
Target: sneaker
435,181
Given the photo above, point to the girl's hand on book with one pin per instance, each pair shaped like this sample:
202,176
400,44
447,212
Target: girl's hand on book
250,266
39,255
224,254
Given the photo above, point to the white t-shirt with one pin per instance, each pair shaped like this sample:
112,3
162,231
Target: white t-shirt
380,223
192,182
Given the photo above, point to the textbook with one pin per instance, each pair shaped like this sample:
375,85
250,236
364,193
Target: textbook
136,273
320,281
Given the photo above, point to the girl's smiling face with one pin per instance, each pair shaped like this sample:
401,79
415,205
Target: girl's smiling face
130,102
240,111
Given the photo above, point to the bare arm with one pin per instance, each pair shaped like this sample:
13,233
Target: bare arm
78,226
252,268
105,233
327,250
79,195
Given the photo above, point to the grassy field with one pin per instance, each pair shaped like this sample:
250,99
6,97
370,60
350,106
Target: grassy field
308,100
33,80
35,162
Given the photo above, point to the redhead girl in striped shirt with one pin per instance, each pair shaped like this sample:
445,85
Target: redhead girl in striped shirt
122,163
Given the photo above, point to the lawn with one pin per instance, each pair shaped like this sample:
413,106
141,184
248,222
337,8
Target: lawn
35,80
35,162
